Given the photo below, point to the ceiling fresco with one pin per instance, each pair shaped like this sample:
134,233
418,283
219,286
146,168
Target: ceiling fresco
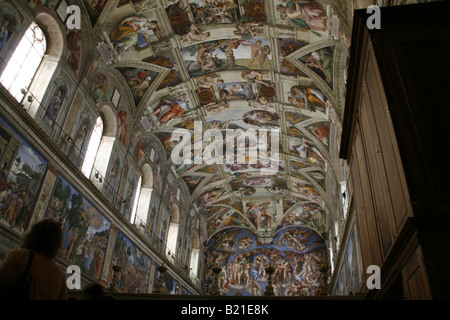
274,65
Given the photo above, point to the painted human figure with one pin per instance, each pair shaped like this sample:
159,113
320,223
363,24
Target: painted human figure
264,56
303,14
258,103
255,51
254,287
253,213
208,80
4,33
264,213
195,34
204,48
298,97
221,16
254,76
322,61
216,107
322,133
261,118
246,27
134,30
54,107
227,46
122,117
73,44
208,62
99,89
171,109
140,83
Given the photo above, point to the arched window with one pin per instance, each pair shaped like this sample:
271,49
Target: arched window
136,201
24,62
195,254
144,194
336,232
173,230
103,154
92,149
344,198
331,259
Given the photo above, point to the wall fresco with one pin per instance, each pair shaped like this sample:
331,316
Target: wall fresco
85,229
21,177
296,253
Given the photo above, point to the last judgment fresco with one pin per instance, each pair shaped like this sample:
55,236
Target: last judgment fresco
298,256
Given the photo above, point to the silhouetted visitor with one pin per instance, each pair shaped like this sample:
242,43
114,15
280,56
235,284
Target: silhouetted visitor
41,243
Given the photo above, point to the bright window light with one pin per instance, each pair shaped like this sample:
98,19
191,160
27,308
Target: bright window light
194,261
92,148
136,201
24,62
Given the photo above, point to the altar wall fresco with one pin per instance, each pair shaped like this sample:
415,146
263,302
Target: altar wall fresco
296,253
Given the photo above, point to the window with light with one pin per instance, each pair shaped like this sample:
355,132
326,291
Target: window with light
92,148
24,62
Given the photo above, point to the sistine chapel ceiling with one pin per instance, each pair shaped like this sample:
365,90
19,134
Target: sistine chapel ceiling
274,65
